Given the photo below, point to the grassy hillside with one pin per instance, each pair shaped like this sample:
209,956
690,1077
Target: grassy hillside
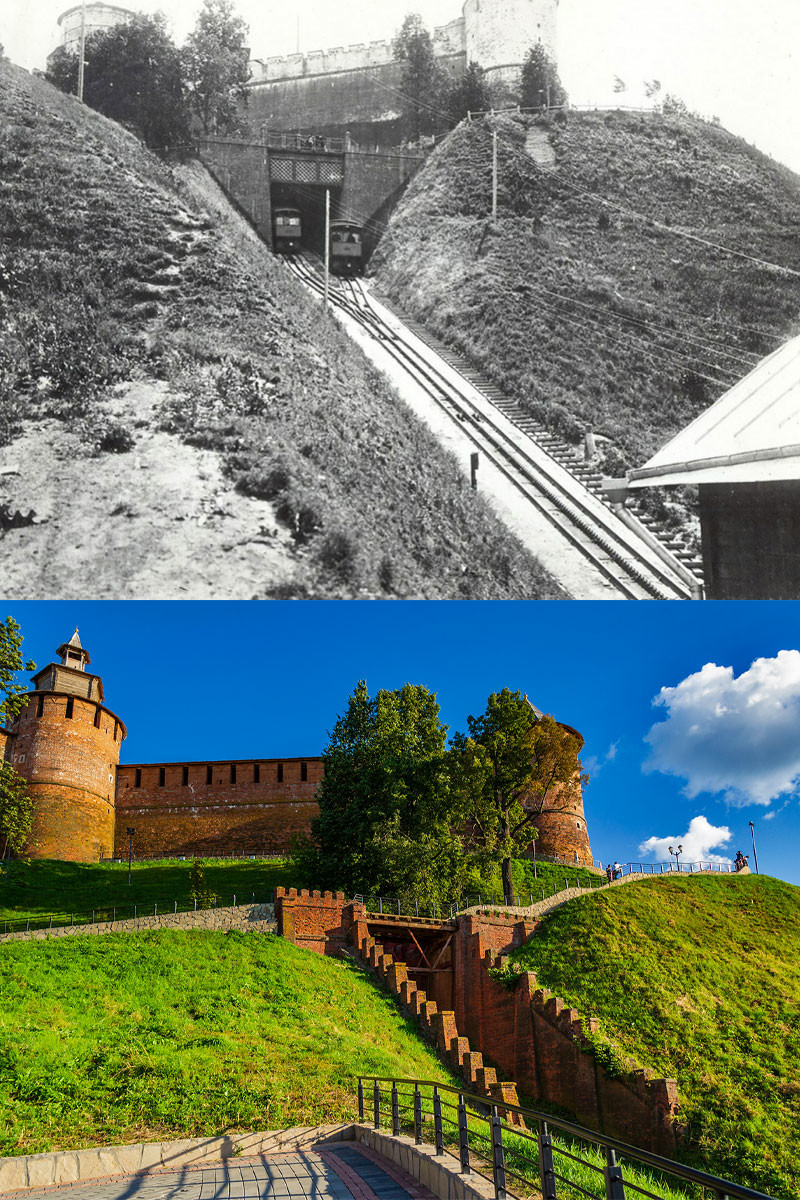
114,267
700,980
149,1036
43,888
582,301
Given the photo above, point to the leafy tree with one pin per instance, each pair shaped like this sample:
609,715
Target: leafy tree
16,803
470,94
133,75
424,83
216,67
620,85
512,766
652,87
385,814
540,86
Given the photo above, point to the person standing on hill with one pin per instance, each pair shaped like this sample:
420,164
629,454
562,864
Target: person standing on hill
608,873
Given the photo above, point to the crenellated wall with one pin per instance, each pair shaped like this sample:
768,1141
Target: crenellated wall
254,805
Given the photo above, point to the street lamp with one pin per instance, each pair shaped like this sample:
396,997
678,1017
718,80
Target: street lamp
130,832
676,854
753,836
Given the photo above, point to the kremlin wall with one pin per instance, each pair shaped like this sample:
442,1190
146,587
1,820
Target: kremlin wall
66,744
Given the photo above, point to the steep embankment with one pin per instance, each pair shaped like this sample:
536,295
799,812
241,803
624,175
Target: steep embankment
698,979
584,301
178,414
149,1036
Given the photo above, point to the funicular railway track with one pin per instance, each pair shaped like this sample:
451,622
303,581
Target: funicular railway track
536,463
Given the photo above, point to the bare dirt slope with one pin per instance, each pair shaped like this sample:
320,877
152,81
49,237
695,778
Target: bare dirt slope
118,273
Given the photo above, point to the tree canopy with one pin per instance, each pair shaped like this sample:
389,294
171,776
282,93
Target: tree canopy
540,86
470,94
134,75
216,68
16,804
13,694
385,806
512,766
424,84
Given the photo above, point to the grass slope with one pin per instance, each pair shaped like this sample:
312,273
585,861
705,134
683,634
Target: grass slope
586,312
115,267
700,980
47,887
150,1036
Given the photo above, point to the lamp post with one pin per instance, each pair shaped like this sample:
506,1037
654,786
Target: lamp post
130,832
82,51
676,854
753,836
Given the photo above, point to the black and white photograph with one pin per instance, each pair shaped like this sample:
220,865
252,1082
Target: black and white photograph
492,300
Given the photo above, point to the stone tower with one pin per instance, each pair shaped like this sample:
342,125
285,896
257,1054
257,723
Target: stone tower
562,830
499,34
66,744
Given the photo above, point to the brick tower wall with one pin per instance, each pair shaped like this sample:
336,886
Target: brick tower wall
70,764
562,830
6,744
175,810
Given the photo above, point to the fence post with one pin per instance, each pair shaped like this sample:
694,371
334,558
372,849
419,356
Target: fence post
615,1186
176,906
395,1111
463,1135
155,910
498,1157
437,1121
417,1115
376,1105
360,1098
93,916
234,899
546,1164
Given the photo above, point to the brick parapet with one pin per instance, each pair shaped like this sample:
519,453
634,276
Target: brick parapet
248,918
319,921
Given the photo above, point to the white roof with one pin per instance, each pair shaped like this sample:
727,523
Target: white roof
751,434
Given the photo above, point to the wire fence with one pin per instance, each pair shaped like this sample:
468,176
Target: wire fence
112,913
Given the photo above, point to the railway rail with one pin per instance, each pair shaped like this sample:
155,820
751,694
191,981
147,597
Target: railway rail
541,468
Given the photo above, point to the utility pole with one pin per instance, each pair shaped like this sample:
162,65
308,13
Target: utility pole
753,836
327,246
494,175
82,53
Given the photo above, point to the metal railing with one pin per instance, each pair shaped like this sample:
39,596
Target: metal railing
111,913
310,142
502,1141
200,855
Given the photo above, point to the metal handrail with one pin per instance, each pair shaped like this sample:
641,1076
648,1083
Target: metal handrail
111,913
721,1189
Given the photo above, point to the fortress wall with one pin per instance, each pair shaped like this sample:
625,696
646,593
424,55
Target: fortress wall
564,835
197,817
332,104
318,921
499,34
70,764
6,744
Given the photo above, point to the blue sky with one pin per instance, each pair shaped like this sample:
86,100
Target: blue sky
200,680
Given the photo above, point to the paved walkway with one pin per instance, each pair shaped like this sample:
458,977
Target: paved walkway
344,1171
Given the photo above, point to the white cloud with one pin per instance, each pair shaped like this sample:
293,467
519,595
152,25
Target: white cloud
594,765
735,736
700,839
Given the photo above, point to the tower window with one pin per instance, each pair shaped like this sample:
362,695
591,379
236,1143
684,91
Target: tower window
280,772
209,776
137,779
185,777
233,772
304,772
40,707
162,776
97,719
70,709
256,772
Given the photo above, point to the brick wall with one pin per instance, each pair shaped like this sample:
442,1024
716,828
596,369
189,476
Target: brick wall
6,744
319,921
70,764
185,814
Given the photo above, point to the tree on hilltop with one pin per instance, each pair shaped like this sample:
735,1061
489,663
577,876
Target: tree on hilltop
470,94
540,86
216,67
511,767
385,812
16,803
424,84
134,75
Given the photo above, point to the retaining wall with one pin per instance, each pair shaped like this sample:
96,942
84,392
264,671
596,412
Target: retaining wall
250,918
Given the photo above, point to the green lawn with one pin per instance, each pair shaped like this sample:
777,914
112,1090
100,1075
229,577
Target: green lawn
43,888
156,1035
698,979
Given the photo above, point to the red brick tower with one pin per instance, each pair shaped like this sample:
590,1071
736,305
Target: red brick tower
66,744
562,831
